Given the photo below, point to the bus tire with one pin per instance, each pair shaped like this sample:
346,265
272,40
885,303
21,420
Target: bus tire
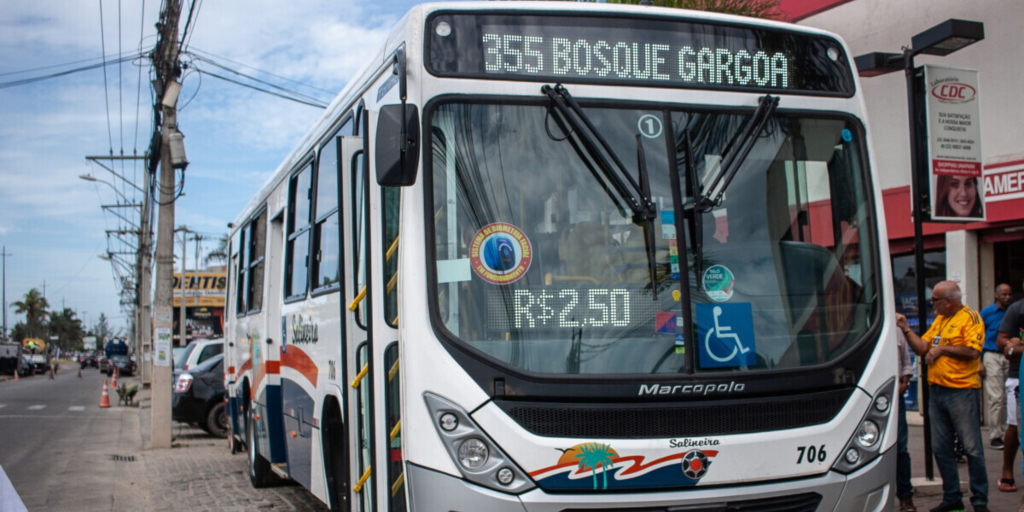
259,468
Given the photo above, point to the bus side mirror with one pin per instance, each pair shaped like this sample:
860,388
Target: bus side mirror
397,157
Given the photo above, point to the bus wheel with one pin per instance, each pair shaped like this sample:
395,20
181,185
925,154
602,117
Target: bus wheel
259,468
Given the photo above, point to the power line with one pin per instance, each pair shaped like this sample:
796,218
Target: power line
264,82
106,97
104,64
272,93
208,55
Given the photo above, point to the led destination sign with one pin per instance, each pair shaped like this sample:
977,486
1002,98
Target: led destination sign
647,52
553,308
631,60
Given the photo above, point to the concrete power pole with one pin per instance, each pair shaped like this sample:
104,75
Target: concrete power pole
168,69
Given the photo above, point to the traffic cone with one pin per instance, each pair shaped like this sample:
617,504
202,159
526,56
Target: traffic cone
16,378
105,398
113,381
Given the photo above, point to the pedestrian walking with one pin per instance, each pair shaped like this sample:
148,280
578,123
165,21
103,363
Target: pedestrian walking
953,352
904,489
1011,330
996,367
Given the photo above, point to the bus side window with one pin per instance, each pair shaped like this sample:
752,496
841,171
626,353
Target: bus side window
325,260
391,198
238,259
257,247
297,260
359,233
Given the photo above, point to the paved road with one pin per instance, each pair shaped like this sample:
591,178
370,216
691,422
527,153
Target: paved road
57,444
63,452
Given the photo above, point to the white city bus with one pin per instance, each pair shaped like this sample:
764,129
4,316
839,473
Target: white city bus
573,257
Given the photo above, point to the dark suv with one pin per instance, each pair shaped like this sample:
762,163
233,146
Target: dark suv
199,397
125,366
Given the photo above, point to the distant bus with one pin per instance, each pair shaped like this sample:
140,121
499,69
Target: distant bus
573,257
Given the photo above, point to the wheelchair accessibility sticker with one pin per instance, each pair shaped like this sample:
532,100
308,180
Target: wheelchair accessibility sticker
725,335
500,253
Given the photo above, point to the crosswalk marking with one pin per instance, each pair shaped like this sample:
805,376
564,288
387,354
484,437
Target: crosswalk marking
2,406
76,408
36,407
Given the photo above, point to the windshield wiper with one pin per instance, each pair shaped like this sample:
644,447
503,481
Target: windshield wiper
732,162
696,222
639,198
645,191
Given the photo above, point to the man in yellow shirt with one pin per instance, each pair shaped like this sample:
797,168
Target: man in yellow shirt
952,350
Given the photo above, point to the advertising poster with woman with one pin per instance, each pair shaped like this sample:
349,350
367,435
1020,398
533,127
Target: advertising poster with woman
954,144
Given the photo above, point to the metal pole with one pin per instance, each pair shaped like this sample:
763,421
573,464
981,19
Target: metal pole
5,255
917,191
181,312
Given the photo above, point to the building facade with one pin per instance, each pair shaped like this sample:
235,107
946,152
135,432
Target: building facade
978,255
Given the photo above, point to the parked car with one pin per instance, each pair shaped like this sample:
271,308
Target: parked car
87,360
104,365
125,366
199,351
199,397
39,363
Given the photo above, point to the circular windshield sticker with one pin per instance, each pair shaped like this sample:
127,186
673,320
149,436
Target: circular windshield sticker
718,283
500,253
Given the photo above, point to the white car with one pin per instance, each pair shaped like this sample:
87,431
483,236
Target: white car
199,351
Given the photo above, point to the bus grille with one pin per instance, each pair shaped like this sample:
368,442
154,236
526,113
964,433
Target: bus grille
807,502
635,421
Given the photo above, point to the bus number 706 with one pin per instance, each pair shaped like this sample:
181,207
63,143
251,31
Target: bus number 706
813,454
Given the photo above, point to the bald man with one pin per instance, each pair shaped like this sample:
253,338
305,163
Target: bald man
952,350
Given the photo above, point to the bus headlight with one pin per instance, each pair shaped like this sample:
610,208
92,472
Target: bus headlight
478,458
865,445
473,453
867,434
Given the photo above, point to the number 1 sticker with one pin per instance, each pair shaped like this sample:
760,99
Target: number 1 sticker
649,126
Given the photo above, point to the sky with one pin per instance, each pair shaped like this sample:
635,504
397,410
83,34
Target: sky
52,225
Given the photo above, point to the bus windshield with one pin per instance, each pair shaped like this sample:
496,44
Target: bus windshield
540,265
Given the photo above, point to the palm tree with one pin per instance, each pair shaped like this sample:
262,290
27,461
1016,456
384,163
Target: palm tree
34,308
593,455
221,252
66,327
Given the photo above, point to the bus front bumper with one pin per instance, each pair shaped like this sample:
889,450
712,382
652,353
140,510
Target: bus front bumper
868,490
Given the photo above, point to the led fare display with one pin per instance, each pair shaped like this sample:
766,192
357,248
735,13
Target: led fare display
632,60
553,308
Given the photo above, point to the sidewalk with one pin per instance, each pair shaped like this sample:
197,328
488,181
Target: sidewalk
929,494
199,473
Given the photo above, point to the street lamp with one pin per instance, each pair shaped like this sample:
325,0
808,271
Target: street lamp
942,39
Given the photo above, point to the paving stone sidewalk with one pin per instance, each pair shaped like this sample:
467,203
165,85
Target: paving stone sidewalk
199,473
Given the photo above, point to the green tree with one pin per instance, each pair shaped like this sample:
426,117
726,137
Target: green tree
102,330
67,328
34,307
20,332
767,9
221,252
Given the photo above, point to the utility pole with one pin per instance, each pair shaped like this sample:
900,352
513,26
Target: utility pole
181,313
143,295
5,255
168,69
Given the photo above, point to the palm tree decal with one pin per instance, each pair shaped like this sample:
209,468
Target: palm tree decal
593,455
